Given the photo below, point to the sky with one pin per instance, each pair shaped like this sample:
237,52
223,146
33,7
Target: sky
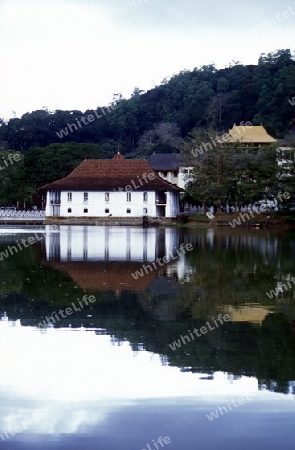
76,54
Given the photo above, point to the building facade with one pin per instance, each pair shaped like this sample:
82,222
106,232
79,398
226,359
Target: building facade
172,168
116,187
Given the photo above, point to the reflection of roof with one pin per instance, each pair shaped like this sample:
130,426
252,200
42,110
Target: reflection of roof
250,135
109,174
165,161
253,313
105,276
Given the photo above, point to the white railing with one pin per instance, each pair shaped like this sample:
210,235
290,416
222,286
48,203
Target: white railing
13,214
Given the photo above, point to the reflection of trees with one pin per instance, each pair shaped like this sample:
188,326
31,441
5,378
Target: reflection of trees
265,352
227,269
235,269
23,276
276,353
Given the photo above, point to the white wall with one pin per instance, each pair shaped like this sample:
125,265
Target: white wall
181,179
168,176
47,207
184,178
96,205
172,206
117,205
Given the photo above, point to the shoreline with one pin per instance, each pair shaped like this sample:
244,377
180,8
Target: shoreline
190,221
261,221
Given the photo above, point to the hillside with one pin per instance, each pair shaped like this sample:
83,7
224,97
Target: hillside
205,97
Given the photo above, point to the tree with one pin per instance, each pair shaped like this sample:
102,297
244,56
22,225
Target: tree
213,168
44,165
224,173
11,178
204,98
164,135
215,110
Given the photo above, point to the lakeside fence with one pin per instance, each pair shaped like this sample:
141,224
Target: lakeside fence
14,214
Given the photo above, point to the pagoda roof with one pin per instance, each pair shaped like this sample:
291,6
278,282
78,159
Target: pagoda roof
250,135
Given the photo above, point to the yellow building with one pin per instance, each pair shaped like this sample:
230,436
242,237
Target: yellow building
250,135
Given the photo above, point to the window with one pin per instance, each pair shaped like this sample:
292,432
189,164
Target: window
69,196
128,196
85,210
85,197
69,210
128,210
144,210
107,210
145,196
107,197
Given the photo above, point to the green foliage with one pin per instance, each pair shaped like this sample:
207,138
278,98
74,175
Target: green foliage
226,173
204,97
46,164
12,188
223,277
20,181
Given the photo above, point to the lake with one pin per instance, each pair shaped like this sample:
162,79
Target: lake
128,338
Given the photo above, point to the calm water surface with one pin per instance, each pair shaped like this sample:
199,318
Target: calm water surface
126,369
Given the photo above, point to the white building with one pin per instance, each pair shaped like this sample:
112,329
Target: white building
172,168
114,187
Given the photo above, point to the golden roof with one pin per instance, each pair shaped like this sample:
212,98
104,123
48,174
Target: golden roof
253,313
250,135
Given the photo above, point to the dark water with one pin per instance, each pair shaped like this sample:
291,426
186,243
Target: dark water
191,354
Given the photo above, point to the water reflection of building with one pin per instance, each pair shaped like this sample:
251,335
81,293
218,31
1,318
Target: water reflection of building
6,322
264,243
104,258
253,313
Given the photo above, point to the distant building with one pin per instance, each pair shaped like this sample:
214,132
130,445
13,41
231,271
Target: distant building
289,140
115,187
171,167
286,151
249,135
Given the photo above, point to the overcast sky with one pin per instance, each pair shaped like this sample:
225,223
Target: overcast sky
75,54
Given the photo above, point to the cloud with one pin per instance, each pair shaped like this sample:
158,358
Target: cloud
75,54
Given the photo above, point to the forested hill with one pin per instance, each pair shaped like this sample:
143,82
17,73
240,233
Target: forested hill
205,97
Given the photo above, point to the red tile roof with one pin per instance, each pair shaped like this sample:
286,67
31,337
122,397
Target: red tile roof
105,276
110,174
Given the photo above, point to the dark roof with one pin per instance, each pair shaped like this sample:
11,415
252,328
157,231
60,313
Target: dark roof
290,138
284,142
112,174
165,161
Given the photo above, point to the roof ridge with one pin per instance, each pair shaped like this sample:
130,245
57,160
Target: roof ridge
106,174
